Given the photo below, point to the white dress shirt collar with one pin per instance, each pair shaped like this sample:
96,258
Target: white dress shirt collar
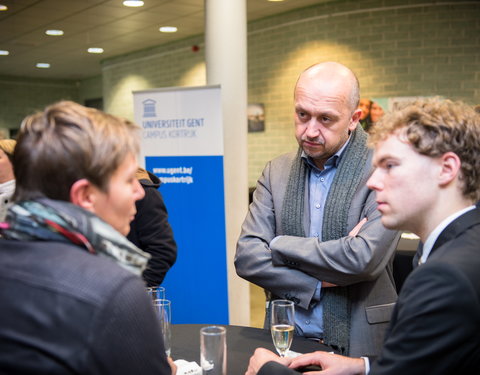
432,237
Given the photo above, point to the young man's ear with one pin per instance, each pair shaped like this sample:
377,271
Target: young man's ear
82,193
450,168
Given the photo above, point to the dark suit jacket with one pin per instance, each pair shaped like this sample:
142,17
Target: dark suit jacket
66,311
151,232
435,327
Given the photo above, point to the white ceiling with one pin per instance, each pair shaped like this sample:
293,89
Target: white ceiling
100,23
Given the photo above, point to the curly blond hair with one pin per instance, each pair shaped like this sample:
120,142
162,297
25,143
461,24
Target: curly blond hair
435,126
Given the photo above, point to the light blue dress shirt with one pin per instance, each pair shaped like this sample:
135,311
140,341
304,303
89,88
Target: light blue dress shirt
309,323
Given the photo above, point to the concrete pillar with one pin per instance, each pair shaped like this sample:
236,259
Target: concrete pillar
226,64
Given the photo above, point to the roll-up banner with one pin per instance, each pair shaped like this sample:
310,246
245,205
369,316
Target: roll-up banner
182,144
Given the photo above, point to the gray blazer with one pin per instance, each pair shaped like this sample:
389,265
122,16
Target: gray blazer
293,266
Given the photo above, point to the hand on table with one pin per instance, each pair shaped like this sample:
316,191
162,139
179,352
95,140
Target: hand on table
331,364
262,356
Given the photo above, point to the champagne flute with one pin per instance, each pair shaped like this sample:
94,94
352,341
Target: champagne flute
163,310
282,324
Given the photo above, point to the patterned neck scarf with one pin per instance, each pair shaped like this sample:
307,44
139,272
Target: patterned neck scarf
50,220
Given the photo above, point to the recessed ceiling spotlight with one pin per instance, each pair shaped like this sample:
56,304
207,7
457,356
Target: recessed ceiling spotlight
133,3
43,65
4,52
3,7
54,32
95,50
168,29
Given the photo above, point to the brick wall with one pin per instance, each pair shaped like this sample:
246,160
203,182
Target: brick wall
174,64
396,47
20,97
90,88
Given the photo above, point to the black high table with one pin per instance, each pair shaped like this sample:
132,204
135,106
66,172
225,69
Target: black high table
241,343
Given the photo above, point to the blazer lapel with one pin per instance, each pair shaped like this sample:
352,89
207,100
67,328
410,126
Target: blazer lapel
457,227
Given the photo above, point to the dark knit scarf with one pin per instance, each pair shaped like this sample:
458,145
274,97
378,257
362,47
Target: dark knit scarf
335,300
51,220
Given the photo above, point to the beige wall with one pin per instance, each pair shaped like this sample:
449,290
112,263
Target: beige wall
164,66
90,88
397,48
20,97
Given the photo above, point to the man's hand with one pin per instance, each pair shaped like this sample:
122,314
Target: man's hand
357,228
173,366
326,284
262,356
331,364
352,233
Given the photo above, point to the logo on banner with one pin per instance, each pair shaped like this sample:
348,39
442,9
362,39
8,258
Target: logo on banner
149,108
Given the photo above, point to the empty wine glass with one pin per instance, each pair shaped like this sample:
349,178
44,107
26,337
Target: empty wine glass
163,310
282,323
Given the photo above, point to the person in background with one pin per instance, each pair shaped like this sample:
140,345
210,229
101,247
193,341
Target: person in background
151,231
427,180
7,178
72,299
364,105
376,112
313,233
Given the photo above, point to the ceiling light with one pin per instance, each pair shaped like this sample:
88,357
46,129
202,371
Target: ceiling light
273,1
133,3
43,65
54,32
4,52
95,50
168,29
3,7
